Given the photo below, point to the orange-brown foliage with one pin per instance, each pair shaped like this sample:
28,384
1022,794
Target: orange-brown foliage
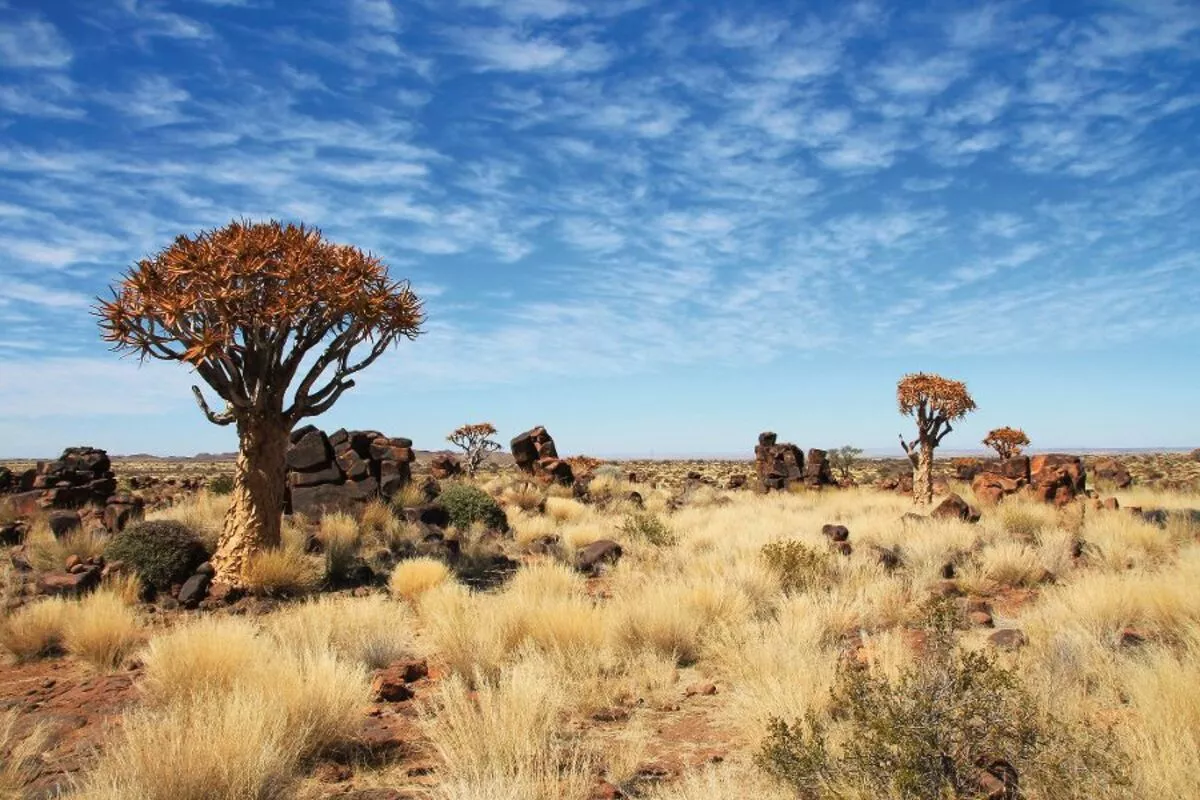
1006,441
934,396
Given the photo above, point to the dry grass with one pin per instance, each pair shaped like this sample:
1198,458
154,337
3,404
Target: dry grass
102,630
415,576
48,554
35,630
203,513
372,631
20,752
282,571
527,664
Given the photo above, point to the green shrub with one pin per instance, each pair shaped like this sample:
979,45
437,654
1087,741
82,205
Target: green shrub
931,733
161,552
221,484
647,527
798,568
468,504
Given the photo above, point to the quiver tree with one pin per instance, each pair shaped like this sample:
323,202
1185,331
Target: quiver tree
935,402
1007,442
275,319
476,443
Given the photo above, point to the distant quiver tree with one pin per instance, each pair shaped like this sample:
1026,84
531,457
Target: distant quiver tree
275,319
476,442
935,402
1007,442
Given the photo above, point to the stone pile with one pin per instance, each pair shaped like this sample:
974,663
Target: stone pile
1053,478
445,465
779,465
344,471
1114,472
80,484
536,455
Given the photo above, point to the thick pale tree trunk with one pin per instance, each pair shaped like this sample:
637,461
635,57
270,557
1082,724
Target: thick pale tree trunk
923,475
255,514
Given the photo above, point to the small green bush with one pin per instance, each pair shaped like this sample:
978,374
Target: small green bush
468,504
647,527
221,484
932,732
161,552
798,568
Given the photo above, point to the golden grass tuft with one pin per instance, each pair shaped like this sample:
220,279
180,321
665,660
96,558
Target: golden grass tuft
20,753
101,629
281,571
35,630
372,631
414,577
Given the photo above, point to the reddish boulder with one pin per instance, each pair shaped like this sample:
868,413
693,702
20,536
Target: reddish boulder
445,465
954,507
1112,471
69,584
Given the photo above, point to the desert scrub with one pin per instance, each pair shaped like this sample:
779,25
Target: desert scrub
220,484
161,552
950,724
798,567
468,504
645,526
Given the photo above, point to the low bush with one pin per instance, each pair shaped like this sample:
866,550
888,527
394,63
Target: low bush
951,724
645,526
798,567
161,552
468,504
220,484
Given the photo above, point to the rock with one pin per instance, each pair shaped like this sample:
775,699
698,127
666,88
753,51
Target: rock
817,471
997,782
980,619
889,557
737,481
330,472
954,507
391,684
1131,637
354,466
1008,639
1056,478
12,533
777,465
596,554
72,561
429,514
445,465
121,510
1112,471
309,449
62,522
701,689
68,584
835,533
194,590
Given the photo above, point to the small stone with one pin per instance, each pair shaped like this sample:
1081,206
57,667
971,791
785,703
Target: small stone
72,561
613,714
703,689
980,619
1008,639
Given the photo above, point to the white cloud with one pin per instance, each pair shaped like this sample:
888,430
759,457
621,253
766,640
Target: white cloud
33,43
511,50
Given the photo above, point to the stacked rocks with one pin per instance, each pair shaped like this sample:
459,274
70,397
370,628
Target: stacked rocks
80,481
344,471
445,465
1053,478
997,480
1113,471
777,465
536,455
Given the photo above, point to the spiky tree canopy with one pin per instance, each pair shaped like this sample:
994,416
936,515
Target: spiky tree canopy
476,443
935,402
250,303
1006,441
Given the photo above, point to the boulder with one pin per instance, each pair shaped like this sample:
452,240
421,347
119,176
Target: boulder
954,507
445,465
601,552
69,584
63,522
194,590
1008,639
778,465
835,533
1112,471
817,471
309,449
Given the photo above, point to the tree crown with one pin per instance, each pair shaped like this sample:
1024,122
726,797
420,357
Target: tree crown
933,396
1006,441
245,303
478,430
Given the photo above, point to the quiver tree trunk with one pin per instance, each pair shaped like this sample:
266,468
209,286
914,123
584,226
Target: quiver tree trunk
923,475
255,513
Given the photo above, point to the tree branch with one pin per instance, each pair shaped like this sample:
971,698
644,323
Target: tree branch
317,409
942,435
224,418
908,450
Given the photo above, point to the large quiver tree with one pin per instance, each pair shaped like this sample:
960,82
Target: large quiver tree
257,309
935,402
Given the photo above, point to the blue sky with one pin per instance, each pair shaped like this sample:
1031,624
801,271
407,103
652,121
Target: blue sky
652,226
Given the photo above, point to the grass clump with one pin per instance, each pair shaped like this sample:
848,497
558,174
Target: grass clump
35,630
415,576
102,630
161,552
798,567
645,526
468,504
281,572
949,726
220,484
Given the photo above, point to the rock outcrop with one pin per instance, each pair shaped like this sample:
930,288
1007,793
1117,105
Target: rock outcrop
80,483
1114,472
536,455
777,465
445,465
1056,478
344,471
